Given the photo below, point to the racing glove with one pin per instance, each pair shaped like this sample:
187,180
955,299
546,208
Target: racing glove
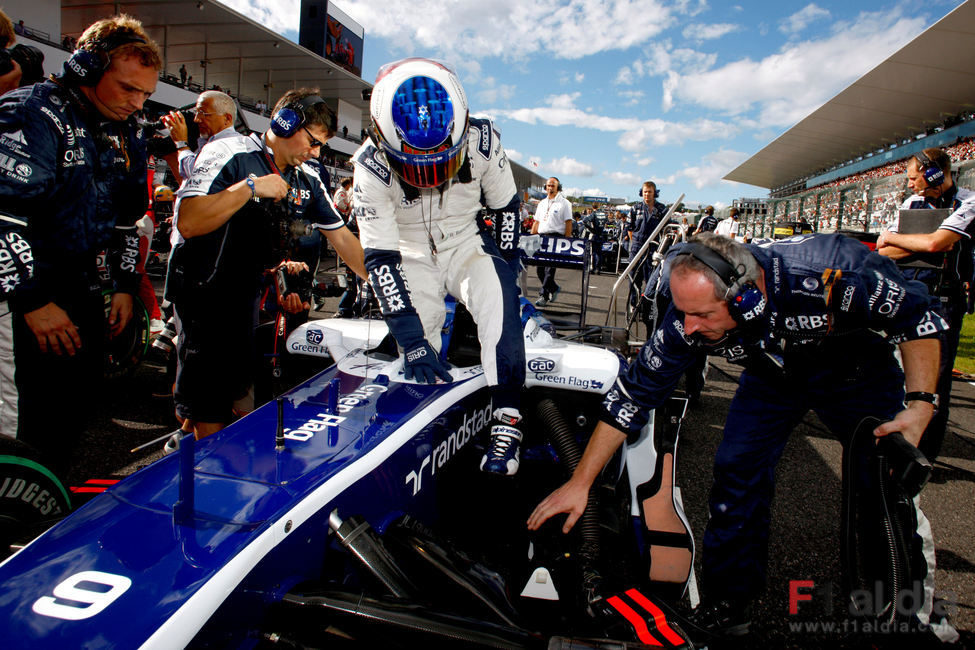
424,366
385,269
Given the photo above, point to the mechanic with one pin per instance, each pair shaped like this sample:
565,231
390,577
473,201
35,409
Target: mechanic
553,216
644,219
806,316
237,213
708,222
74,183
929,177
419,179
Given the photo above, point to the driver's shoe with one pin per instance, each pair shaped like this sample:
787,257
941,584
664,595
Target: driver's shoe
716,619
502,456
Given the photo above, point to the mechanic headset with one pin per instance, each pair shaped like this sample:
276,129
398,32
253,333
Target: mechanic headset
559,182
656,190
745,301
291,117
934,176
87,64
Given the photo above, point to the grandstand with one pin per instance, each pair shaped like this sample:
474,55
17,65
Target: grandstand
843,166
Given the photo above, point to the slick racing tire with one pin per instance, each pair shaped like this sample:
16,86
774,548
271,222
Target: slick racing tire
31,496
124,353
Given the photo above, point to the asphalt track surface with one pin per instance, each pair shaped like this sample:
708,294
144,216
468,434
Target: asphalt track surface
804,542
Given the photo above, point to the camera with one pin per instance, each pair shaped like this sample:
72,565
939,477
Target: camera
160,144
31,62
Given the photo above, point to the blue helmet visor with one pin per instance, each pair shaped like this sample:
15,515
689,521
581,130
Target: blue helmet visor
426,168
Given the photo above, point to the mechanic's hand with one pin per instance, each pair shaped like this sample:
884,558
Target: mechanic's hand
911,422
293,304
424,366
271,186
882,238
291,267
176,124
121,312
54,330
571,498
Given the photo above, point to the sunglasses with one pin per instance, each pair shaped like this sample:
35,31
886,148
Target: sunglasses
314,142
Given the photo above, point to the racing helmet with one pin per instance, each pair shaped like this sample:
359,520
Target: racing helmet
419,119
163,193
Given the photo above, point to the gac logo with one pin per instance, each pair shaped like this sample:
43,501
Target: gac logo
541,364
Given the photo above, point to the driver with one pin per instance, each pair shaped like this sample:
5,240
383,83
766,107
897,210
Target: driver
418,186
779,310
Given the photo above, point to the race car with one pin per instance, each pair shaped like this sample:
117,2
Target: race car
351,510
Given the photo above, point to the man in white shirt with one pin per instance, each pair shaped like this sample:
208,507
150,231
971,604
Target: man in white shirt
552,217
729,227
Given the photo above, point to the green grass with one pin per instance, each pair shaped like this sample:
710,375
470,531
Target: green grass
965,359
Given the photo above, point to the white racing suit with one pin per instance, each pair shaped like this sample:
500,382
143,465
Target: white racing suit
422,244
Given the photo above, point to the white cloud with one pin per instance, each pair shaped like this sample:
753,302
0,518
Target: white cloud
593,191
663,59
475,29
514,154
572,191
569,167
712,168
645,161
579,77
492,92
632,97
788,85
625,178
636,134
802,19
708,32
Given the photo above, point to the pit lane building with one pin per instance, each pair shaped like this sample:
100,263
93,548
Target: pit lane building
921,96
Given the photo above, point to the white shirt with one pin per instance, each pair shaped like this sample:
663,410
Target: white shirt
727,227
552,214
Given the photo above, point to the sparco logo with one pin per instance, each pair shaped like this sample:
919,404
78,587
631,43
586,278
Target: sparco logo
847,298
376,168
541,364
314,336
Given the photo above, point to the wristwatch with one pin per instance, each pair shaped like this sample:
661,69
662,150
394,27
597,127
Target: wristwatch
250,183
921,396
181,144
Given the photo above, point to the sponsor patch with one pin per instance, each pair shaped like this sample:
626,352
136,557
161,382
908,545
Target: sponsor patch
368,159
483,137
811,284
314,336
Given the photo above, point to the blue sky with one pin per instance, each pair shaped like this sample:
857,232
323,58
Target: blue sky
607,93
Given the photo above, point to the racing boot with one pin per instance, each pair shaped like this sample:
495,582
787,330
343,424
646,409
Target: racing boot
502,456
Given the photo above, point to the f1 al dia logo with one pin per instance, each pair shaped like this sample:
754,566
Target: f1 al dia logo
314,336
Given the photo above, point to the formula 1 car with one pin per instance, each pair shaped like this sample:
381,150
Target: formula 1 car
351,510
